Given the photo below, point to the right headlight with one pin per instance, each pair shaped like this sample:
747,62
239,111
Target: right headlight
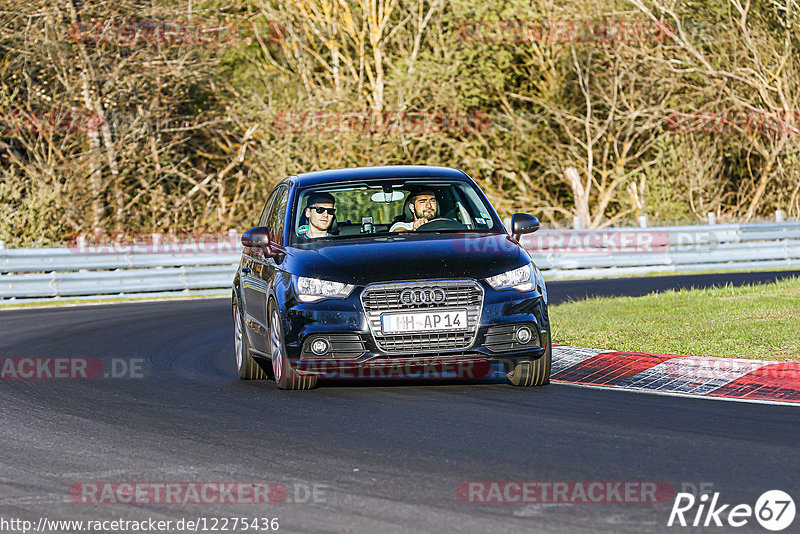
314,289
520,279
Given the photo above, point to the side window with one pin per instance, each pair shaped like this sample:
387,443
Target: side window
277,215
262,221
476,207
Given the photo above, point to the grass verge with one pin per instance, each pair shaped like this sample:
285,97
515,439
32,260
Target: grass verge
688,273
756,321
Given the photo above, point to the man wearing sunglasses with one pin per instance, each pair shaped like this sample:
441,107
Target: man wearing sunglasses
320,214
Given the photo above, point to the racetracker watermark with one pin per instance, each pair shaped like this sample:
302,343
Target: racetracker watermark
740,122
572,242
598,241
133,243
560,492
727,369
176,32
696,368
400,369
71,368
18,122
384,122
148,525
180,493
635,31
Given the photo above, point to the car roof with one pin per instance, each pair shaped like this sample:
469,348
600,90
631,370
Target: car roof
389,171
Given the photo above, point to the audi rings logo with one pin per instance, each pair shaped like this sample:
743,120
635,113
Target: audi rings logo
423,295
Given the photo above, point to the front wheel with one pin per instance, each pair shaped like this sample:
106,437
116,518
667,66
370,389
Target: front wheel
533,372
285,376
248,368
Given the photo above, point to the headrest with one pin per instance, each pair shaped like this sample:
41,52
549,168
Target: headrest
320,198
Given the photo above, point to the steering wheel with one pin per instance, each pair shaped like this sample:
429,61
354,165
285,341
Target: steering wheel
441,223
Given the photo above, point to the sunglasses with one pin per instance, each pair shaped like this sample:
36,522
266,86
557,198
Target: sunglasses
321,210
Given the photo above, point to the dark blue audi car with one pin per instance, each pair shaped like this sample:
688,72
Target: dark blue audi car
401,268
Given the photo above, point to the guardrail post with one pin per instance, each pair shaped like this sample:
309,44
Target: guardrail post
642,221
712,217
576,223
54,283
778,216
2,245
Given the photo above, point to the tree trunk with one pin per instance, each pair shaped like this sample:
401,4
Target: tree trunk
581,199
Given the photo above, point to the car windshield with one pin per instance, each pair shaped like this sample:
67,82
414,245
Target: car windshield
386,207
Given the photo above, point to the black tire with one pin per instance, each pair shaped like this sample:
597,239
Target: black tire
535,372
285,376
248,368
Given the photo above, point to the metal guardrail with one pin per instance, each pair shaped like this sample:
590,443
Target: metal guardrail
80,272
626,251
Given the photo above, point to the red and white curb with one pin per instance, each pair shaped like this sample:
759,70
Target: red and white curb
753,380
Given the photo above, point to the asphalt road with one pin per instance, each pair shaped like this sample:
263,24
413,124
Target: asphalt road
382,458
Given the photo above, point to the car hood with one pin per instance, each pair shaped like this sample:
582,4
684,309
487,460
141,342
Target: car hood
407,257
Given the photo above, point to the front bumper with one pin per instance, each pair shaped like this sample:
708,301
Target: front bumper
353,351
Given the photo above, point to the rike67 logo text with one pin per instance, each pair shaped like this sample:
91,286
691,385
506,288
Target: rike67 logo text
774,510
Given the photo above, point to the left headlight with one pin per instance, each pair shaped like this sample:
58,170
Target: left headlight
520,279
314,289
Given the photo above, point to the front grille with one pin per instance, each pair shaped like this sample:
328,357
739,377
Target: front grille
378,299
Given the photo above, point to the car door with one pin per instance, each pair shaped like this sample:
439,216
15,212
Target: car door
254,288
264,267
271,268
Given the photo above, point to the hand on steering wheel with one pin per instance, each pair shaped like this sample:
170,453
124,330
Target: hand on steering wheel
442,223
419,222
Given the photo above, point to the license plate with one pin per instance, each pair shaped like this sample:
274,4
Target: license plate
432,321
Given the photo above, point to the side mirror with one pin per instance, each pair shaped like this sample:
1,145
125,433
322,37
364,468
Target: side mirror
256,237
522,223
